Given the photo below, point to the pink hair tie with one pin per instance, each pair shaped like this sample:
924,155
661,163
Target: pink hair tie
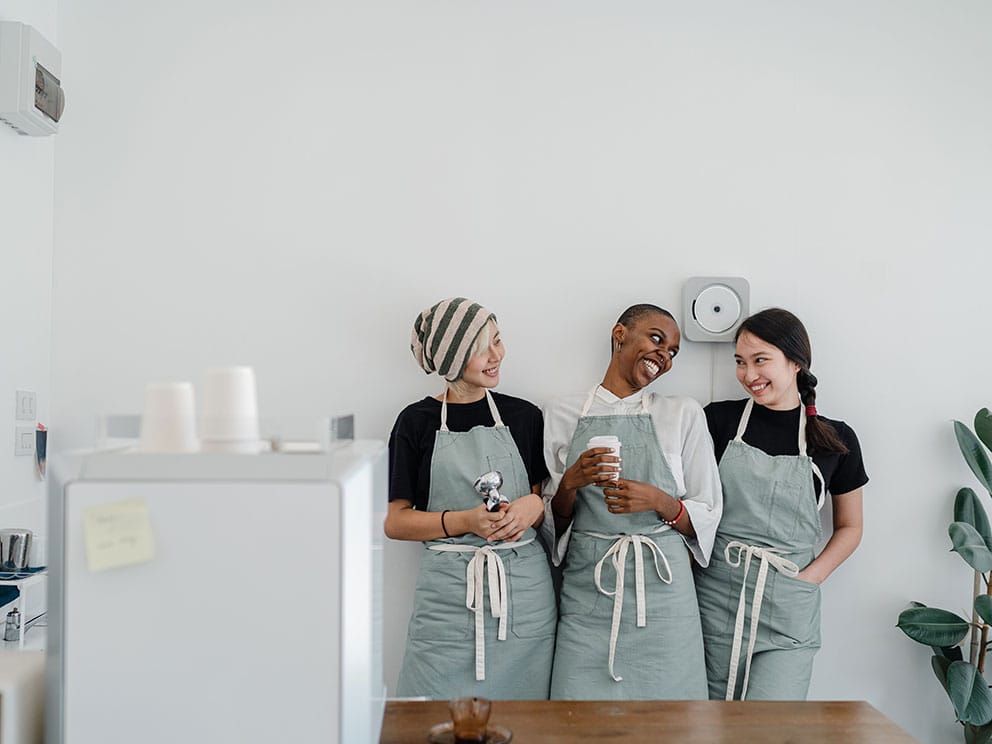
810,410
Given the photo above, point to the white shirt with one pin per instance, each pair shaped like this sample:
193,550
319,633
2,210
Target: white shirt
680,426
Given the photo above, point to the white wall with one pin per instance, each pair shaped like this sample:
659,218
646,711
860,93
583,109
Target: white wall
27,183
288,184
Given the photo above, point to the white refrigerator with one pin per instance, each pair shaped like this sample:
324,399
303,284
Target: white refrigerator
216,598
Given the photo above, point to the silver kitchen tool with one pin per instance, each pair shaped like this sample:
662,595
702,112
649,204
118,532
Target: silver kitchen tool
12,628
15,547
488,485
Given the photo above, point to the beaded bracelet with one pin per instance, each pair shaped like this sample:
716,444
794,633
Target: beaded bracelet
672,522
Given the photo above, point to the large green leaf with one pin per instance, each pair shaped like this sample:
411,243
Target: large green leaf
951,653
932,627
983,426
969,692
983,606
968,508
971,546
974,454
940,665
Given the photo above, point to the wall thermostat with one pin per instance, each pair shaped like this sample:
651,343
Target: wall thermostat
714,306
31,94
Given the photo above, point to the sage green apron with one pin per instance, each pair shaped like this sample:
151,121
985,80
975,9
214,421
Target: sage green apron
483,620
770,521
635,635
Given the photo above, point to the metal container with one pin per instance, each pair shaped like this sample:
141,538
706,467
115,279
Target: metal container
12,628
15,548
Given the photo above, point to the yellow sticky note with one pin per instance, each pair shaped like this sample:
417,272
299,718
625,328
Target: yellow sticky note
117,534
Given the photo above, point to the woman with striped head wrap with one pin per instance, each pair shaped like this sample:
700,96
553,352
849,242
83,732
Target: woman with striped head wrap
484,613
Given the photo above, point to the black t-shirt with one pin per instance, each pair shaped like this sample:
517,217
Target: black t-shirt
411,442
777,433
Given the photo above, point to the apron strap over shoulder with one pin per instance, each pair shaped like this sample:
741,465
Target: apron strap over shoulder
489,399
485,562
645,398
767,556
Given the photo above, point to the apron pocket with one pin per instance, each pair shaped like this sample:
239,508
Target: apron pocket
794,619
675,600
532,597
633,462
783,513
718,597
579,595
507,468
439,611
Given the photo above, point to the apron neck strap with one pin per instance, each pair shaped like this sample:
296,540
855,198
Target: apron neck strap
802,428
746,416
489,399
592,396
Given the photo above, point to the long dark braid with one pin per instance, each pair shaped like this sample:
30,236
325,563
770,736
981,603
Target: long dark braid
782,329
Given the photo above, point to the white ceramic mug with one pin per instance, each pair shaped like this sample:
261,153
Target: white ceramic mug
168,423
607,441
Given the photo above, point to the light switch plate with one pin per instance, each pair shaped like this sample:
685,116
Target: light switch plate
25,405
23,440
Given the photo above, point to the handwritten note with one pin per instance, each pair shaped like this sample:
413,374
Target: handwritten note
118,534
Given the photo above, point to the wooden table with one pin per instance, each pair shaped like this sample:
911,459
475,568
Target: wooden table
685,722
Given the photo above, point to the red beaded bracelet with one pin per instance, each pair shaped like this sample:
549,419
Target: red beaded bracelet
672,522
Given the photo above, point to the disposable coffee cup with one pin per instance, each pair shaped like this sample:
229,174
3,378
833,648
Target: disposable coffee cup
607,441
229,415
168,423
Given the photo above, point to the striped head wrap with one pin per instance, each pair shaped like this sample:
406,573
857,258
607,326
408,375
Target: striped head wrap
444,333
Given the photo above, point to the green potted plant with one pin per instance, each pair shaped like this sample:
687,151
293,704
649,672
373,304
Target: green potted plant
943,631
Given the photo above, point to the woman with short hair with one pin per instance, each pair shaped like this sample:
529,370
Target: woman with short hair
630,526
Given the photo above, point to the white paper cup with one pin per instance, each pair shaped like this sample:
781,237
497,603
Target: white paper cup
168,423
229,408
607,441
38,553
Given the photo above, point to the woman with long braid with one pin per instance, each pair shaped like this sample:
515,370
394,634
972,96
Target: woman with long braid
759,599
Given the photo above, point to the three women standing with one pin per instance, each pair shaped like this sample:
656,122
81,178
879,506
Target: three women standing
483,620
760,597
629,622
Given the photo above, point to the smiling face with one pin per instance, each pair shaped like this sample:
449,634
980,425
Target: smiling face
766,373
646,349
482,369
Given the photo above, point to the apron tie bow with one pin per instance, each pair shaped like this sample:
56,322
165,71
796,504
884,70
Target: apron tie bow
618,557
485,563
768,557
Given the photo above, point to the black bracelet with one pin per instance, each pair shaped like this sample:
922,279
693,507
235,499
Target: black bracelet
442,523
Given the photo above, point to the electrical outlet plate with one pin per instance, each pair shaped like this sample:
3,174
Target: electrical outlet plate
714,306
25,405
23,440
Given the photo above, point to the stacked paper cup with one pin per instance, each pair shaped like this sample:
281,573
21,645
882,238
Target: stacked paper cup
168,423
229,420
